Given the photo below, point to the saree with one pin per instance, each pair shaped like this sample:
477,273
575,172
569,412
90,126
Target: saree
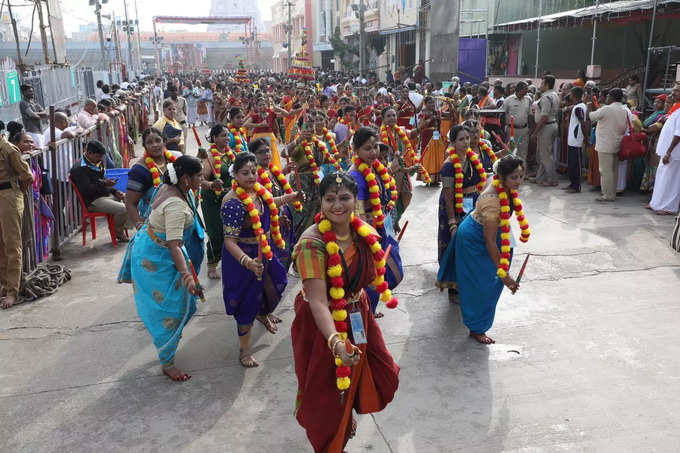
245,297
304,181
467,263
326,418
285,225
470,179
163,302
210,206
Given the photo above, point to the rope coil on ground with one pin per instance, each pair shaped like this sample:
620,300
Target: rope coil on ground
42,282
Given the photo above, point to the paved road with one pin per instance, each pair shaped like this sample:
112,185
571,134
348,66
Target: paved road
587,359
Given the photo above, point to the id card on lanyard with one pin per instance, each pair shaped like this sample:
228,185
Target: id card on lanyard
357,324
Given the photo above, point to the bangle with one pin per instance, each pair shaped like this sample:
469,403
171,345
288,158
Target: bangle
331,336
452,222
335,343
243,257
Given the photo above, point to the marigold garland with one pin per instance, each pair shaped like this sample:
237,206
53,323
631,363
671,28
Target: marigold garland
331,141
276,171
241,132
312,163
337,292
151,165
458,168
349,126
504,265
483,147
217,160
255,217
373,188
390,183
387,137
324,150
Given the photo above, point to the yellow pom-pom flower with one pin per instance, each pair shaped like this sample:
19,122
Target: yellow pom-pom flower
343,383
334,271
364,231
332,248
339,315
337,293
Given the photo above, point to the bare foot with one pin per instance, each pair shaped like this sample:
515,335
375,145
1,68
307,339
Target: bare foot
378,315
648,207
275,319
175,374
247,360
8,301
213,275
482,338
664,213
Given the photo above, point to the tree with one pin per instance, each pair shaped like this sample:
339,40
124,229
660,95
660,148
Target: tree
345,50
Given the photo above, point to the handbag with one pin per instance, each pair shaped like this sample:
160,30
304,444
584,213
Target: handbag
675,235
633,145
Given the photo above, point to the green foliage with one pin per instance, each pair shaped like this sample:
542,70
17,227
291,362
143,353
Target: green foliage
345,50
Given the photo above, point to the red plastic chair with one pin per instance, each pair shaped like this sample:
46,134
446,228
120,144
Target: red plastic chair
92,217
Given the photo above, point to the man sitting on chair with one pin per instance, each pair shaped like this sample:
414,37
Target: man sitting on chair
97,192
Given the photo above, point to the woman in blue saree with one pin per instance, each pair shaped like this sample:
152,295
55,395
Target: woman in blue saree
367,148
473,256
160,261
251,288
449,217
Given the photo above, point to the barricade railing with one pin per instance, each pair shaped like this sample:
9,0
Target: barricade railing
57,159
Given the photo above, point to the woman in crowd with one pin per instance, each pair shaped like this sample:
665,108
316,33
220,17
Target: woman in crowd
18,178
238,139
483,246
216,162
265,126
272,178
253,278
169,127
337,259
145,177
462,178
480,146
376,197
161,260
191,94
307,158
652,126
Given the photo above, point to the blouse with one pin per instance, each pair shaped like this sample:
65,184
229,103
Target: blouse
172,216
488,208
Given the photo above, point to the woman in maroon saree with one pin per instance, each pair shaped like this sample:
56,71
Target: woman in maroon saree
324,411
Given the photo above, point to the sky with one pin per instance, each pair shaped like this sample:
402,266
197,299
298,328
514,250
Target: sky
77,12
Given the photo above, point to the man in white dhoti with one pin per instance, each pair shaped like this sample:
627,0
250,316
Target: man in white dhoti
666,196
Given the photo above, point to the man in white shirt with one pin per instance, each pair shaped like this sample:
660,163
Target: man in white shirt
576,137
415,97
98,93
612,122
666,196
67,156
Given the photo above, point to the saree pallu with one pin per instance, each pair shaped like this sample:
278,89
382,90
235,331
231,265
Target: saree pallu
434,155
271,138
246,297
467,263
163,302
310,207
326,418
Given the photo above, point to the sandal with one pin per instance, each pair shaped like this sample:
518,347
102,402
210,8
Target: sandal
275,319
213,275
353,431
268,324
247,360
378,315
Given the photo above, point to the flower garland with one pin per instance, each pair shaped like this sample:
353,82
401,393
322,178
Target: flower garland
151,165
387,137
331,141
487,149
337,292
276,171
373,188
390,183
458,167
312,163
263,178
255,217
349,127
504,265
217,159
237,137
324,150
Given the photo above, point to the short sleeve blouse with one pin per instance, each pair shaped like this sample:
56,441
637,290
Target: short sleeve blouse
488,209
139,179
233,214
310,259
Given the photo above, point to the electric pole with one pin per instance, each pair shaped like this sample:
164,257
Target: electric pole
139,40
362,38
104,50
290,33
20,62
129,40
43,35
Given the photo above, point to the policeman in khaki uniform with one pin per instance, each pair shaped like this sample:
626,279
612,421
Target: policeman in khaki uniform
546,131
15,176
518,106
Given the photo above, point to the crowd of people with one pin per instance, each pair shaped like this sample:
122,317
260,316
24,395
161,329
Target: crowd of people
313,179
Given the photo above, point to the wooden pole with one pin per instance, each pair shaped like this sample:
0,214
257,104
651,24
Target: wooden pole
43,35
20,62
